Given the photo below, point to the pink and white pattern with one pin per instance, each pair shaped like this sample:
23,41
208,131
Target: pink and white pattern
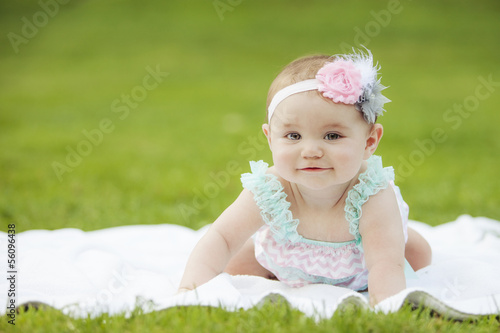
340,265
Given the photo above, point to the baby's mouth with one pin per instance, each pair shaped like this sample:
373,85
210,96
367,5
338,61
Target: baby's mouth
314,169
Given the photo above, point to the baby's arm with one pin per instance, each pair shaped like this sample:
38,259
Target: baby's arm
224,238
383,243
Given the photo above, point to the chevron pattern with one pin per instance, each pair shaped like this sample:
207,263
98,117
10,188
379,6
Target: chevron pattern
300,263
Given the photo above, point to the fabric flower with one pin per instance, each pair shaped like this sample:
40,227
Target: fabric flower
341,81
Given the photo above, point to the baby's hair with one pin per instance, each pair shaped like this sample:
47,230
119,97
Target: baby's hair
298,70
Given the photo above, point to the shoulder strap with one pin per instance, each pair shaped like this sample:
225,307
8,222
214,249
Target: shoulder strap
374,179
271,199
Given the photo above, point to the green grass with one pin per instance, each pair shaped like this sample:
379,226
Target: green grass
268,317
157,163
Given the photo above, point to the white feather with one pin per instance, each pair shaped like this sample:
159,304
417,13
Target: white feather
372,101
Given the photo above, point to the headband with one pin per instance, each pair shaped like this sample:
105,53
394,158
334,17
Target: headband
349,79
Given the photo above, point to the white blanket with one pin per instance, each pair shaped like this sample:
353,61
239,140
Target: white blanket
114,270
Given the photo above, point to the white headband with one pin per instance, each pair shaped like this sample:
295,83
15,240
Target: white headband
295,88
348,79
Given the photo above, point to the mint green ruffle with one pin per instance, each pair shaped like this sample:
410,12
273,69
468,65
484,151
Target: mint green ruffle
274,208
270,198
374,179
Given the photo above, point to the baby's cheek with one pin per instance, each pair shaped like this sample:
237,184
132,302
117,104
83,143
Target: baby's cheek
280,163
283,164
349,162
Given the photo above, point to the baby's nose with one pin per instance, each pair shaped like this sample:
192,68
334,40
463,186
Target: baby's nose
312,149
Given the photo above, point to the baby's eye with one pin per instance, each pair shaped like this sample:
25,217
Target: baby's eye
332,136
293,136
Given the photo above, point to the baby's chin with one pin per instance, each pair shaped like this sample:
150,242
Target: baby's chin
314,182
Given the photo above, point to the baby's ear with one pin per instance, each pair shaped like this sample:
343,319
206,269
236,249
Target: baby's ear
373,140
267,132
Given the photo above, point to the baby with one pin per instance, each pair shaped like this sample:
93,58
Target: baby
327,211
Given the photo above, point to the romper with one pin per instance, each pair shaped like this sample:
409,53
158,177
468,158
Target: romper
298,261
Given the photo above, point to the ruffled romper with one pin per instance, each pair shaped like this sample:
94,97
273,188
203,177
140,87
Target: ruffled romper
298,261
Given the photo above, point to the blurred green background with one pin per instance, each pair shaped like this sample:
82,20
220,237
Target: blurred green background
172,144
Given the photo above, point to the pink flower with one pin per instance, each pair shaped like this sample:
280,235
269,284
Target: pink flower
341,81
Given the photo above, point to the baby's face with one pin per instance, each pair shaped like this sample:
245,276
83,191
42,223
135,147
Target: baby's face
316,142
